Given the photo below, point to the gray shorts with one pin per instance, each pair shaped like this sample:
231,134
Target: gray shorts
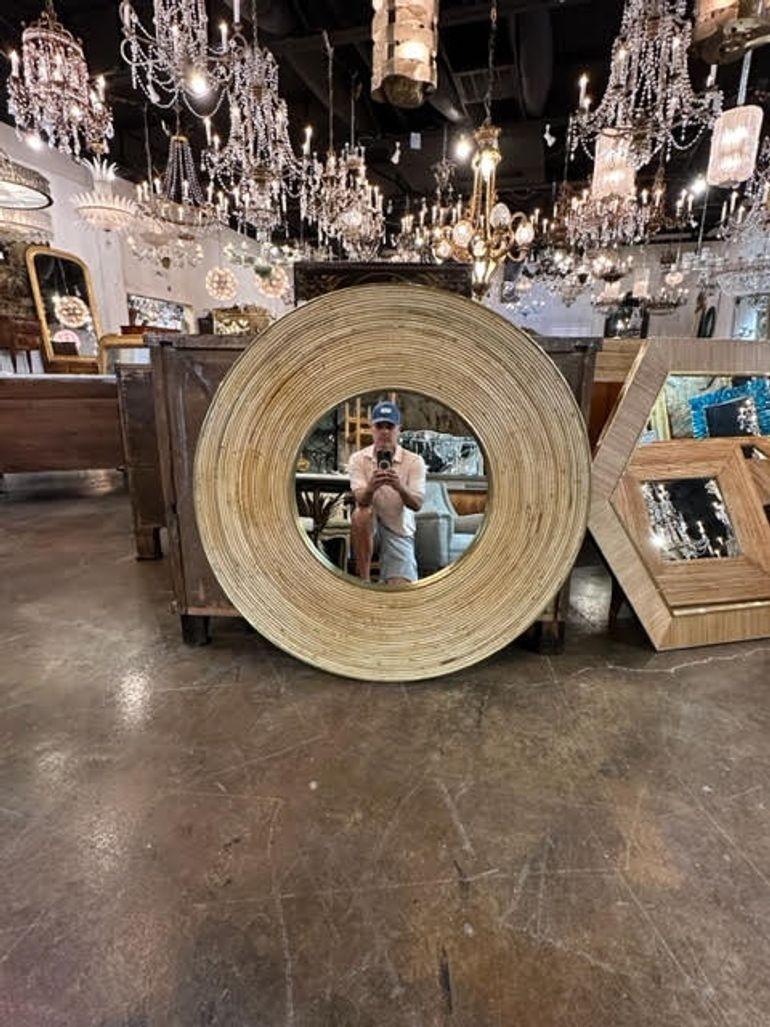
397,559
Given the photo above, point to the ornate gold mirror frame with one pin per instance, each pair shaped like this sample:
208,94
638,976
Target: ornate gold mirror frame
690,602
412,339
48,350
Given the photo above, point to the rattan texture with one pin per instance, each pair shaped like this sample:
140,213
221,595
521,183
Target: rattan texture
402,338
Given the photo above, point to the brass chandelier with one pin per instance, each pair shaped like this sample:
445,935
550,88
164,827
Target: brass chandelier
486,233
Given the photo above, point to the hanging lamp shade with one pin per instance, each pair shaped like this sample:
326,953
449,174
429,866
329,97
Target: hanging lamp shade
734,146
614,175
725,29
405,36
22,188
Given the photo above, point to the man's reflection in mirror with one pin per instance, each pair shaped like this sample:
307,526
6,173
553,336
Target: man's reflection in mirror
388,484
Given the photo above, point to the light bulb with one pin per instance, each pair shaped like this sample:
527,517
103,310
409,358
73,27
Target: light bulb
463,148
488,161
198,83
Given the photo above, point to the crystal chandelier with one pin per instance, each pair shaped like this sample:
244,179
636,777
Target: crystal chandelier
153,243
173,211
649,99
405,37
610,266
677,538
744,276
176,61
614,221
257,165
336,195
609,299
429,228
750,219
667,299
177,199
49,92
102,208
412,244
522,297
487,233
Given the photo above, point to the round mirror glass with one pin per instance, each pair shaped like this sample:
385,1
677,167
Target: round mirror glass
391,487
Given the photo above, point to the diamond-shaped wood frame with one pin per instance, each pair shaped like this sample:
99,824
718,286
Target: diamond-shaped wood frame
711,611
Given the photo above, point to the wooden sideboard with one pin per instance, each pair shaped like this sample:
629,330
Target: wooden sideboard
58,422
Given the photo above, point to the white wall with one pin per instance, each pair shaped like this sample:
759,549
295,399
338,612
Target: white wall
114,270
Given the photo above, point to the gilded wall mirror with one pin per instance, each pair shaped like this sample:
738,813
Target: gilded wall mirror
66,306
391,487
383,344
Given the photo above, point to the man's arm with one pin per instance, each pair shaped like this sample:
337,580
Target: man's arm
363,490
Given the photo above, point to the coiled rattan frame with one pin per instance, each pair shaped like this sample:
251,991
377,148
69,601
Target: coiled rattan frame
409,338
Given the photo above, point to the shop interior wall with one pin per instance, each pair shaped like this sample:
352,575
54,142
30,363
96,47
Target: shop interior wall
114,270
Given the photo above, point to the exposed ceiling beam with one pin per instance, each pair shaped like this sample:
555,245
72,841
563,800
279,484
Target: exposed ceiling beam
451,16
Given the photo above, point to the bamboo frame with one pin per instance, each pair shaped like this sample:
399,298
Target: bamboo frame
412,339
699,602
45,332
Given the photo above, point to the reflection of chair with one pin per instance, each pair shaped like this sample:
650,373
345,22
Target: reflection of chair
337,530
441,536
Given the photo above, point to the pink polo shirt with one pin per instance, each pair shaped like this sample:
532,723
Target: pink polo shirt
388,506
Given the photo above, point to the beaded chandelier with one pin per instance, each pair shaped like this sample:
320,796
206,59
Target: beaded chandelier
175,62
650,100
49,92
257,165
336,195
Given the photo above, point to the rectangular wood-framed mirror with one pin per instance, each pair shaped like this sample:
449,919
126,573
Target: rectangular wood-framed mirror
66,308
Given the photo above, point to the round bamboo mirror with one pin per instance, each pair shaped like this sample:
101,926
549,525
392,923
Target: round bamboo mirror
416,340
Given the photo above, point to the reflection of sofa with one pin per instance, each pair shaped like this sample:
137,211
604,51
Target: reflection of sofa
442,536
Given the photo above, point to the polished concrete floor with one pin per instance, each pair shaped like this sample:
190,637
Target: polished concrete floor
224,836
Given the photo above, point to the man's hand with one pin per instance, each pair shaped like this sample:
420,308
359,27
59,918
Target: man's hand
378,479
388,478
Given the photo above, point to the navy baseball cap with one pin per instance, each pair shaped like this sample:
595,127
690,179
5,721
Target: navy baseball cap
387,412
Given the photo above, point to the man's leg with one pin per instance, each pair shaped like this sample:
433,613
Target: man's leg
398,565
361,532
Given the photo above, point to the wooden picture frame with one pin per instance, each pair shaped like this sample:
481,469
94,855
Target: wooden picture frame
692,602
69,362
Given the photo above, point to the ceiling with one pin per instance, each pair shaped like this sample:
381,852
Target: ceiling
543,46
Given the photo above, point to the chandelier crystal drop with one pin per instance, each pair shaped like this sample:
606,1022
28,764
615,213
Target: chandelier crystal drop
176,62
650,99
50,95
102,208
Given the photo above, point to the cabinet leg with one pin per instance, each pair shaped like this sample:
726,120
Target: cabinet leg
148,544
195,630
